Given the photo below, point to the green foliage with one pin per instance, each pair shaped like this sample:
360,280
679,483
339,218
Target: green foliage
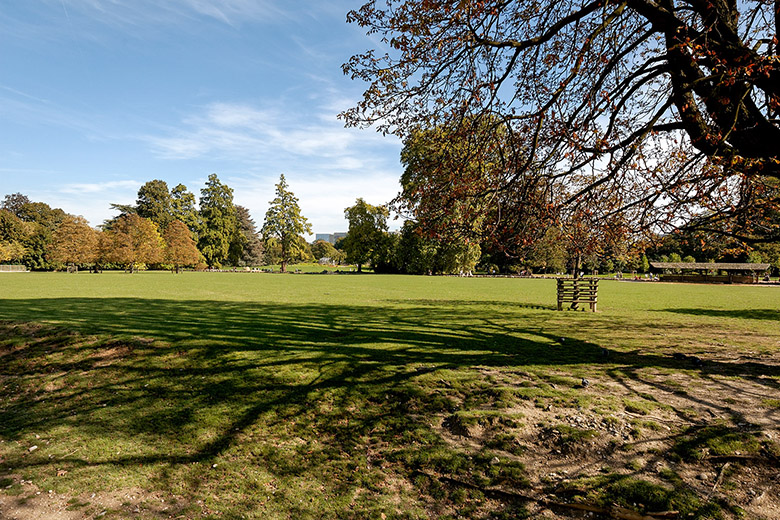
183,209
247,247
12,233
645,264
38,221
549,254
220,221
412,252
272,251
323,249
155,203
367,224
284,223
755,257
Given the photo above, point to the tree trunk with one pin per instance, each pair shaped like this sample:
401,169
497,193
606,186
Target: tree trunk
283,266
360,268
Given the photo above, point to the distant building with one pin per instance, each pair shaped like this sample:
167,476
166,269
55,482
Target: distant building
330,237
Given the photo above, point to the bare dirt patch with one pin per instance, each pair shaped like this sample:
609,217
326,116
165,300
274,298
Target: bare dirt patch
713,434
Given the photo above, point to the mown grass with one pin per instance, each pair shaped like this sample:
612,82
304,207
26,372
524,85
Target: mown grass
276,396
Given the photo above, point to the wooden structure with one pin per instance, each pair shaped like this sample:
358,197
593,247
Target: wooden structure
576,291
5,268
707,272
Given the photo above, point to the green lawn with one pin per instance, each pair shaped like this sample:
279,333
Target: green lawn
248,395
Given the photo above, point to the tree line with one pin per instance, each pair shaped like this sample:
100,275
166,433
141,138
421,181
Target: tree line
163,229
166,229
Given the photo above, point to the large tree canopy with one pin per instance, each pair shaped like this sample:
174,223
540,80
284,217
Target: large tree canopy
74,241
662,109
132,241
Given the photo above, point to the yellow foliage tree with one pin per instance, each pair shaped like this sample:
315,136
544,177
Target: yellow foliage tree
133,241
181,249
74,242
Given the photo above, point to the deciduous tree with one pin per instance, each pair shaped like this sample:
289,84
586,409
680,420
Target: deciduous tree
668,109
40,221
155,203
183,208
367,223
323,249
12,234
74,242
285,223
180,248
133,241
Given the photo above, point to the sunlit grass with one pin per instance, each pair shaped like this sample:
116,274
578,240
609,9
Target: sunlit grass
271,396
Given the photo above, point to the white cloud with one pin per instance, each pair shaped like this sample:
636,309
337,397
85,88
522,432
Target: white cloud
249,134
99,187
327,166
322,198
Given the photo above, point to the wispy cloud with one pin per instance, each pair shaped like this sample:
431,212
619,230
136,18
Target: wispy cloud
99,187
138,12
251,135
328,166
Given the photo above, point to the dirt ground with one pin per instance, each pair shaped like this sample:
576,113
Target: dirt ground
747,481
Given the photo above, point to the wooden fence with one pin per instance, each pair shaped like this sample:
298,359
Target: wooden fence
576,291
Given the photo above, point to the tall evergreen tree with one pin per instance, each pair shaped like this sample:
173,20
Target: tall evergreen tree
247,246
284,222
220,223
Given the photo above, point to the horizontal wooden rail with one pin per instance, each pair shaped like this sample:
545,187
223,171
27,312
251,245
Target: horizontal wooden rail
576,291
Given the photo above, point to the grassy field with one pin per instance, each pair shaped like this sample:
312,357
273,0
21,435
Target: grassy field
238,395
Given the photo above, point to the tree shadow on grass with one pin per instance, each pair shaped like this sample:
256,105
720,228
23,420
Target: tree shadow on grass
746,314
182,383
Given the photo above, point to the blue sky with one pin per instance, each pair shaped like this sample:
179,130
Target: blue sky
99,96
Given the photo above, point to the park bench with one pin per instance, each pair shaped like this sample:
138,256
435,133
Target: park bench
576,291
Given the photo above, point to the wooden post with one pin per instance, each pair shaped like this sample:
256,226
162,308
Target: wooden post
560,294
576,294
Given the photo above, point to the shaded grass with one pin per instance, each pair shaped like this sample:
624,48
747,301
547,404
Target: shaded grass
275,396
